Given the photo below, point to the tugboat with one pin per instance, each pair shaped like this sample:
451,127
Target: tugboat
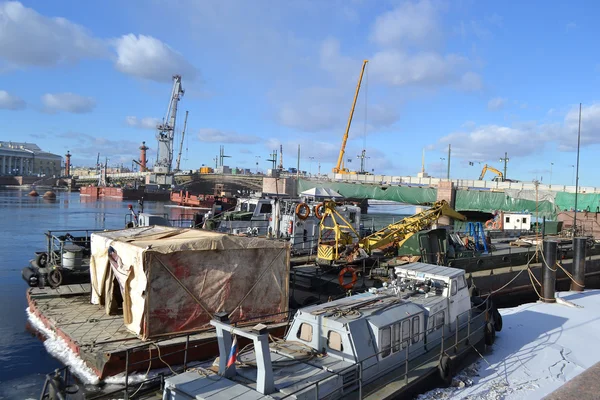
370,345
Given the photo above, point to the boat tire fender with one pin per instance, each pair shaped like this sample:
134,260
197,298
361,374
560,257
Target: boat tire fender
490,334
497,319
41,260
319,210
350,285
445,369
55,278
302,211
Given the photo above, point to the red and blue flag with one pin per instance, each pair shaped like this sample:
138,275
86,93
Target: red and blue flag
233,352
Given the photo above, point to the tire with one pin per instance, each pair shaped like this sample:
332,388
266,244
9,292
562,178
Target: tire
41,260
55,278
445,369
497,320
490,334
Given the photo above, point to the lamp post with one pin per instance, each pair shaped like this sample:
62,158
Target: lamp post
257,157
551,164
505,161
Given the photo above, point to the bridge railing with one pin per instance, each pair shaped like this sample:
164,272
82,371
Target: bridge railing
460,183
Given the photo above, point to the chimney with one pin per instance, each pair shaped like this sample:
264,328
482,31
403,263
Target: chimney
68,164
143,159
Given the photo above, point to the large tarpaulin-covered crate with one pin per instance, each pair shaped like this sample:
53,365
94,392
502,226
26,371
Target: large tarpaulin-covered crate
171,281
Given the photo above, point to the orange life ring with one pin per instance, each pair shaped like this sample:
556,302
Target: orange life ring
489,223
317,210
302,211
350,285
495,225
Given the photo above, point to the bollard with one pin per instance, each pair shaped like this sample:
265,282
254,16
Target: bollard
549,271
579,244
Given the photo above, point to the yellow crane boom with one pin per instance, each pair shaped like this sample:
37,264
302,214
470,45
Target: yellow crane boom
339,168
487,168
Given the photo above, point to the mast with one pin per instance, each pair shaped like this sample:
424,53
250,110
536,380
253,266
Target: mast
181,144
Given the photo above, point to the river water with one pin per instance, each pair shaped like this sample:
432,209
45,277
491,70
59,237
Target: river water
24,361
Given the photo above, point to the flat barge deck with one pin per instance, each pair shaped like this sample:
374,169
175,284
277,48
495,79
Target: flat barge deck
103,342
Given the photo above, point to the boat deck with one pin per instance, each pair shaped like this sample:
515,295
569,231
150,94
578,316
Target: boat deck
103,342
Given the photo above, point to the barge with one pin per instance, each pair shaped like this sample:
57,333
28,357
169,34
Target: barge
216,204
124,193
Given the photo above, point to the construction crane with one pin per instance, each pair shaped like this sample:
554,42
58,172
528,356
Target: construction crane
333,249
339,168
486,168
281,157
166,131
181,145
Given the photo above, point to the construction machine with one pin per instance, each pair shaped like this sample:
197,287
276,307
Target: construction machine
340,243
486,168
339,167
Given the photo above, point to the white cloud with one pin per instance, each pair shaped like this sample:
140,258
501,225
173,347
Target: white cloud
67,102
149,58
30,39
470,82
11,102
566,135
411,23
144,123
395,67
218,136
497,103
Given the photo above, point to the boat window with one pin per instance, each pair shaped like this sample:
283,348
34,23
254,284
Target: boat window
405,333
439,319
415,330
454,287
305,332
251,207
353,217
461,282
334,341
244,207
397,337
384,341
524,220
507,219
266,208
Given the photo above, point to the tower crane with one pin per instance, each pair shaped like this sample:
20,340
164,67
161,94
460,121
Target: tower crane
166,130
339,168
181,144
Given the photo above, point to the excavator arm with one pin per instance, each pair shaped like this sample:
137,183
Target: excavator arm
491,169
339,167
397,234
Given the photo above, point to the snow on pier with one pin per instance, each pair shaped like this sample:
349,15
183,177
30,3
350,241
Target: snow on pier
541,347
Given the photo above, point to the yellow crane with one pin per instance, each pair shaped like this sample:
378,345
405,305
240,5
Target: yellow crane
339,168
336,234
486,168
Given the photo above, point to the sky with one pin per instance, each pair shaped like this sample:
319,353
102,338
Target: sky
486,78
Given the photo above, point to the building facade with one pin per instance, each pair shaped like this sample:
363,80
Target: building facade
27,159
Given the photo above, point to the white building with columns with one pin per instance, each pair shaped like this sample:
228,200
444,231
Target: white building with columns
28,159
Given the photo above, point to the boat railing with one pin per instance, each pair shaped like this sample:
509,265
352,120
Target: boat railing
468,318
56,241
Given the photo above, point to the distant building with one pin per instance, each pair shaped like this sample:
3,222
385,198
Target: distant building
28,159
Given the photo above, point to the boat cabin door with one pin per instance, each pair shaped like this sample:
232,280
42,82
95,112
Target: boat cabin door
459,300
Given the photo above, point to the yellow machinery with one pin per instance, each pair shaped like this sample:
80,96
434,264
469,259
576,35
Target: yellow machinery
339,168
487,168
332,249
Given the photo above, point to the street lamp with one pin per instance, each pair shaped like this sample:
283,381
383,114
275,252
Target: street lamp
573,179
257,157
442,159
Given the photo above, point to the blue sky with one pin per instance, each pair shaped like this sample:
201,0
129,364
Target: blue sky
485,77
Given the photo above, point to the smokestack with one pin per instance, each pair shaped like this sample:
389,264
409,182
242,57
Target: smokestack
68,164
143,159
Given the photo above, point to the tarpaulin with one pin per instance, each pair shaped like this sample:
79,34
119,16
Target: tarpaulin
479,200
401,194
585,201
174,280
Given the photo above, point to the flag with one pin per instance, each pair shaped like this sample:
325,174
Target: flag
232,353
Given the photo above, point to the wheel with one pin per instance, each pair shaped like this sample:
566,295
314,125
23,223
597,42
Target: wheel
41,260
55,278
497,320
490,334
445,369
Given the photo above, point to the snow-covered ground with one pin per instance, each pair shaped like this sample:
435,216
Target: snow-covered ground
541,347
